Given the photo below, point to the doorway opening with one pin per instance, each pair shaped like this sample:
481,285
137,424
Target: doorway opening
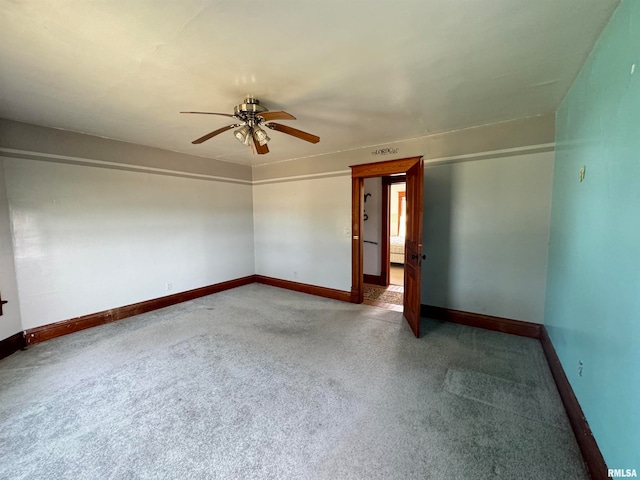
384,232
410,207
397,218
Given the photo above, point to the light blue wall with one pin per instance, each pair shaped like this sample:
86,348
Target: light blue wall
593,287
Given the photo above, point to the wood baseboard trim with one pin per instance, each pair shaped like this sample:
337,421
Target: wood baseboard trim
305,288
12,344
591,453
355,296
374,280
505,325
53,330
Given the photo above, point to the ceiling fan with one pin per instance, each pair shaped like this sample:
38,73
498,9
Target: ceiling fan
252,117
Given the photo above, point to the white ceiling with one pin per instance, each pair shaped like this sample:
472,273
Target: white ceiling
356,73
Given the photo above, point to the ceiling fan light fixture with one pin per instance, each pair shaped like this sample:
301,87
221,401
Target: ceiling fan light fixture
242,134
260,135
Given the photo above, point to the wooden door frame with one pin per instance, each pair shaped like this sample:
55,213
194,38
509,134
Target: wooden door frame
358,174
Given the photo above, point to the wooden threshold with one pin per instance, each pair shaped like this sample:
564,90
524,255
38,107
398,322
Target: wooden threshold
386,306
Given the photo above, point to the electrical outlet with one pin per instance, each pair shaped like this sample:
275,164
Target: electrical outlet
295,274
169,286
580,367
347,232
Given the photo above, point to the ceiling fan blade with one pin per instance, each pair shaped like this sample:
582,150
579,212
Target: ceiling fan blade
261,149
213,134
278,115
307,137
212,113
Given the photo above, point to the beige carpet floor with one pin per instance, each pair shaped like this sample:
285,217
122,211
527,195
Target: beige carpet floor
263,383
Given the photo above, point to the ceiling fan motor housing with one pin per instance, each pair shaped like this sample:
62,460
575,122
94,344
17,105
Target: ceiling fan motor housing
249,109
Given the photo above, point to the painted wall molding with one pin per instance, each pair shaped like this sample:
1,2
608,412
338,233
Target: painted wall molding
512,137
496,139
471,157
41,156
339,173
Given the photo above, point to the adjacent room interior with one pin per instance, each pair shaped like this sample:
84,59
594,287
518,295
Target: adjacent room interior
397,221
383,259
208,267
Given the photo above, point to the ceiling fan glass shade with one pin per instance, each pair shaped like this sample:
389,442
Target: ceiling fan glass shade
260,135
242,134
